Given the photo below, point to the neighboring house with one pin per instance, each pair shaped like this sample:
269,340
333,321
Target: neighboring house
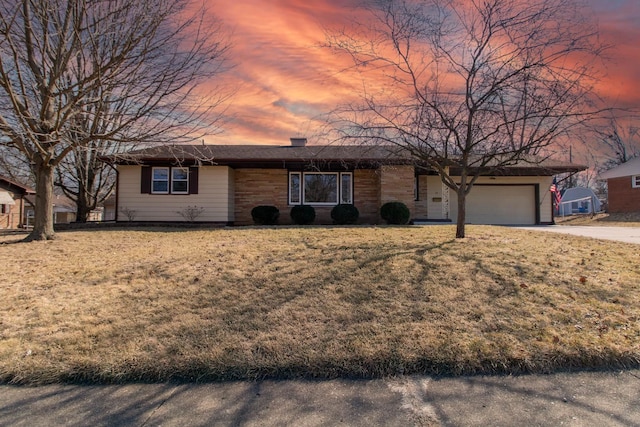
224,182
12,203
109,212
64,210
579,200
623,183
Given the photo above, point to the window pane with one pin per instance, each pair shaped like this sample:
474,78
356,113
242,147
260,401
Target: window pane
321,188
160,186
179,187
160,174
294,188
346,189
180,174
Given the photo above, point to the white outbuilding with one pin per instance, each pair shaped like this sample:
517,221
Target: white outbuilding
579,200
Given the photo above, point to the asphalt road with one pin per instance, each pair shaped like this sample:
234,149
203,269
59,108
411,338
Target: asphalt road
566,399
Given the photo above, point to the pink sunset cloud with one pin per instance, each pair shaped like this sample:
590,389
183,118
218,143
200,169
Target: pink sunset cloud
619,24
285,83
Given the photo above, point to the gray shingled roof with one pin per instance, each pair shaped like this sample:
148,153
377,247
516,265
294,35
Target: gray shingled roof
238,155
225,153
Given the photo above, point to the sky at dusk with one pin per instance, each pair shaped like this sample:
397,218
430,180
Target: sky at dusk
284,82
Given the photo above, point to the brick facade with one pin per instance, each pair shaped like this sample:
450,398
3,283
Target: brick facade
397,185
11,215
622,196
366,195
254,187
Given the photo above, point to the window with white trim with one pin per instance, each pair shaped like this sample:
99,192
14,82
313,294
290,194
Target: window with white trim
320,188
160,181
635,181
179,181
346,188
169,180
294,188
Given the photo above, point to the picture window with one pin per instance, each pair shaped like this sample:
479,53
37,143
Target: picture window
320,188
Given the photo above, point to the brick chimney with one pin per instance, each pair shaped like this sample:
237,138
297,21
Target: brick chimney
298,142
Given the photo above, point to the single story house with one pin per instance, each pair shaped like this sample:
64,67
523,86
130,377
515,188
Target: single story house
64,210
579,200
222,183
12,203
623,183
109,209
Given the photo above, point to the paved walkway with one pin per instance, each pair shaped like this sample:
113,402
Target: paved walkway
575,399
620,234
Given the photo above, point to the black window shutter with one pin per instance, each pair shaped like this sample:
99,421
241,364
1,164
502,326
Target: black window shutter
145,181
193,180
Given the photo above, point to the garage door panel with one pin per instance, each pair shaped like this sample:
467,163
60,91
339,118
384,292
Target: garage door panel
498,204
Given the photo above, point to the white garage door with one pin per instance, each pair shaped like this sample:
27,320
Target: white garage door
498,204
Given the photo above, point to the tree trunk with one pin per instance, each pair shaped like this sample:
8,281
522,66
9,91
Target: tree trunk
462,213
43,220
82,205
82,213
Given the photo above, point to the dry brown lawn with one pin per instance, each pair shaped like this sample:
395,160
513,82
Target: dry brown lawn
317,302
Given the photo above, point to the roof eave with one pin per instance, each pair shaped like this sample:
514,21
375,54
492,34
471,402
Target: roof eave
17,185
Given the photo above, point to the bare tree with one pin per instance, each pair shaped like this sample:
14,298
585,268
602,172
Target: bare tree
618,143
82,175
469,87
87,180
64,63
14,166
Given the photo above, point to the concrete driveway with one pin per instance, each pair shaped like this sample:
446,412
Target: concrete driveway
620,234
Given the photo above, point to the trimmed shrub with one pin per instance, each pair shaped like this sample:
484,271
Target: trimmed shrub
395,213
265,215
344,214
303,214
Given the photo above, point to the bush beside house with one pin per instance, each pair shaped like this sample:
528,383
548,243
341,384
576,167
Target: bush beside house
344,214
265,215
303,214
396,213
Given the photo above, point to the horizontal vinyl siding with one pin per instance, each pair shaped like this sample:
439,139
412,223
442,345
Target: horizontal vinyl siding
231,194
213,196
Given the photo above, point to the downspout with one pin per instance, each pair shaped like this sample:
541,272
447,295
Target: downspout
21,217
117,206
536,188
